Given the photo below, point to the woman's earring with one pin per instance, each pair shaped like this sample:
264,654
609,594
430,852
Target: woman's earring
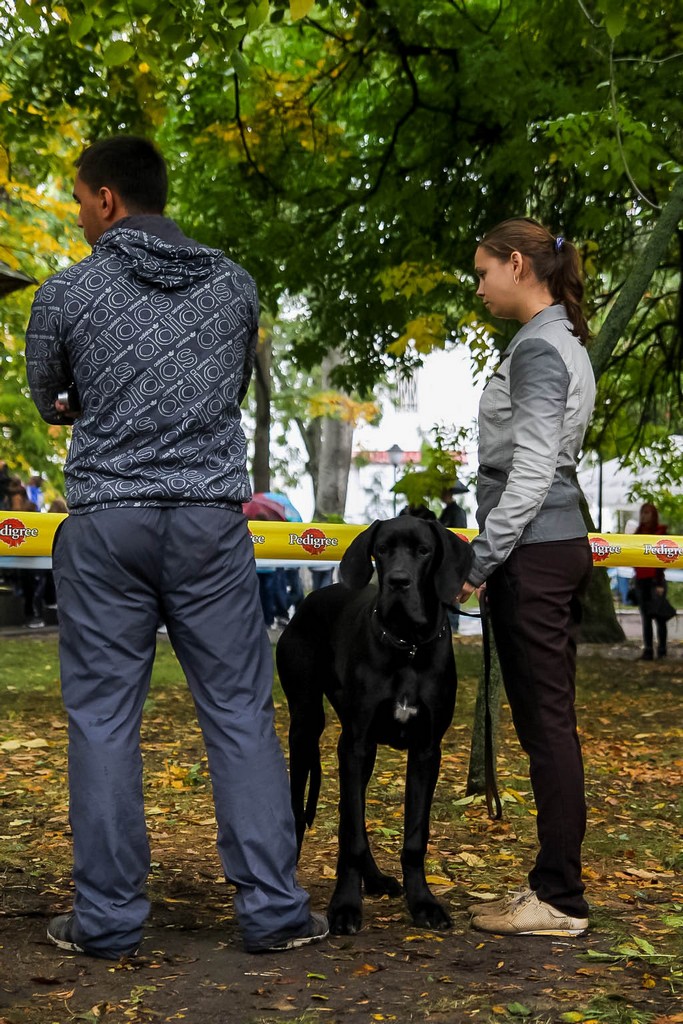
515,278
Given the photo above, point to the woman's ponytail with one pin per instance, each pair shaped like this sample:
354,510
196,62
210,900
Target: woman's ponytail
555,262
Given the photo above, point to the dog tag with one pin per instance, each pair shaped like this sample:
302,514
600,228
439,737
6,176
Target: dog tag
405,711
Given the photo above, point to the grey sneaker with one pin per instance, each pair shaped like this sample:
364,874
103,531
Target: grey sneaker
61,931
528,915
496,906
314,930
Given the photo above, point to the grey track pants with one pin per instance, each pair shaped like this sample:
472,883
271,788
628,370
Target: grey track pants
117,573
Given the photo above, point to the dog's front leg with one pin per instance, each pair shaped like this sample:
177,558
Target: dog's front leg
355,767
421,775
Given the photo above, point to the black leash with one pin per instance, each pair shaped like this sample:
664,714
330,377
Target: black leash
492,796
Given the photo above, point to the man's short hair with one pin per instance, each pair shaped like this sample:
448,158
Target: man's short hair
131,166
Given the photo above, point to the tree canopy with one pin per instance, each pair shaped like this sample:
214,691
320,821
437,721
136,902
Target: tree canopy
349,154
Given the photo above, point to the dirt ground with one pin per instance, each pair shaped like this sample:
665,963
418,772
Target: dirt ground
628,970
194,970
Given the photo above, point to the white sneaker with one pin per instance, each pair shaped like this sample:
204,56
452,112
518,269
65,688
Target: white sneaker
495,906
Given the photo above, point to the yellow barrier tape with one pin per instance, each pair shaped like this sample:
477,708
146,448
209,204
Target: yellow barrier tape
32,533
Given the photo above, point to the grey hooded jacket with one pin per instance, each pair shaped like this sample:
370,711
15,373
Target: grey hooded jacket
158,335
533,417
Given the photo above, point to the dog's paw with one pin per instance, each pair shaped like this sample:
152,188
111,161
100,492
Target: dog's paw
345,920
382,885
431,915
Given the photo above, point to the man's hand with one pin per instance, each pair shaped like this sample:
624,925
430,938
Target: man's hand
63,408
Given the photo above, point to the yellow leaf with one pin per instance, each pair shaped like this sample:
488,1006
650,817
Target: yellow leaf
471,859
366,969
300,8
397,348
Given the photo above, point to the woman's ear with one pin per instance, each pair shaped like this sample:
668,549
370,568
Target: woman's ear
517,264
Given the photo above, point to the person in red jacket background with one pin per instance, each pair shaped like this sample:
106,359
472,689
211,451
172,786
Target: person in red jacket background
649,583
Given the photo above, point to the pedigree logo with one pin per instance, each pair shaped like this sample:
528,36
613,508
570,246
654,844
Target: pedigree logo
602,549
13,533
666,551
313,541
256,538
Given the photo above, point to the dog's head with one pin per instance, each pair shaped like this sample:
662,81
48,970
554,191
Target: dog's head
419,563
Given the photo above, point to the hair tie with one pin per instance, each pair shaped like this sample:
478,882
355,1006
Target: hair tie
559,243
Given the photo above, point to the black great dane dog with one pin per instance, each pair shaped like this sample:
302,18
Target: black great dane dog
383,656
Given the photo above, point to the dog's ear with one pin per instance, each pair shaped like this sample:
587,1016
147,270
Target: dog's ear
355,568
456,560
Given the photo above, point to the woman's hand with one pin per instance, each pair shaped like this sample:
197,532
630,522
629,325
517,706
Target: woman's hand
468,589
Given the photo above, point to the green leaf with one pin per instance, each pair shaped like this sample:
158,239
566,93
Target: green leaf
240,64
614,23
646,946
300,8
614,15
173,33
28,14
257,14
518,1010
118,53
80,27
595,954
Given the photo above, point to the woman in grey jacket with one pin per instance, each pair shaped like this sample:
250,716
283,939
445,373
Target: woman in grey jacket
532,552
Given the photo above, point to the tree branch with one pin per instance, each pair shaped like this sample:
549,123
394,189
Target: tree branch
637,281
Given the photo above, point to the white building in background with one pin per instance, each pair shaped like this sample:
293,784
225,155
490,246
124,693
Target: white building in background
607,485
441,393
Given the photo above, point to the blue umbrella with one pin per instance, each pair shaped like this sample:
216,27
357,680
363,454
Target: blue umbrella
292,514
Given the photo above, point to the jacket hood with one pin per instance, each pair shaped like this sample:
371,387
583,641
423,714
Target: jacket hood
158,253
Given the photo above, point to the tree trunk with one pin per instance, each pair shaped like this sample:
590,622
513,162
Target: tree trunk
262,389
336,444
599,623
334,457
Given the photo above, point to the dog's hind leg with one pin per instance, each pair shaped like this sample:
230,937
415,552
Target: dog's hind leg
298,666
421,776
304,766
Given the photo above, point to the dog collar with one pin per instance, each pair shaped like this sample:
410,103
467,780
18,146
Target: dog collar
409,646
